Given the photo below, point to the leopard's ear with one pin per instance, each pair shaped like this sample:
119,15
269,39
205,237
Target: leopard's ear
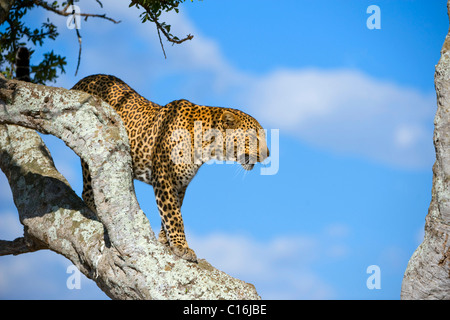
230,120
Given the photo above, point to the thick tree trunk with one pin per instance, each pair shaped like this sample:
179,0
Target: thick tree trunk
116,248
428,273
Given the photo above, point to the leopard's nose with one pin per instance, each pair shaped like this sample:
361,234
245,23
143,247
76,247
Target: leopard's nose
263,155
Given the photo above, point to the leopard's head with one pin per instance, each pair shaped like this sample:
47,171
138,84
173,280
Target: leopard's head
245,139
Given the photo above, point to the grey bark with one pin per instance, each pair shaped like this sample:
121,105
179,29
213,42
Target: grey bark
116,248
427,275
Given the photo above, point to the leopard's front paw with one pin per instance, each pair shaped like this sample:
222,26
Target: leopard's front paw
184,253
162,238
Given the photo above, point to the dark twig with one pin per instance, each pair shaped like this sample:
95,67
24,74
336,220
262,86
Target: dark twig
63,12
160,27
79,50
169,37
19,246
162,46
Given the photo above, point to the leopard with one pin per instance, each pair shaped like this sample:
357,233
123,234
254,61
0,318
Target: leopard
163,141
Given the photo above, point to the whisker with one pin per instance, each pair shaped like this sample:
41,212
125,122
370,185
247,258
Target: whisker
245,174
237,171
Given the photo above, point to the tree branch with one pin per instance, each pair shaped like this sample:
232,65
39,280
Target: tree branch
117,248
160,27
169,37
19,246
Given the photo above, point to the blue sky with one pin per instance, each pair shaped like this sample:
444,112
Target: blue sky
354,108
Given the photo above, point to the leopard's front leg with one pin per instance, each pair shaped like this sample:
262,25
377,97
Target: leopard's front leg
162,233
172,227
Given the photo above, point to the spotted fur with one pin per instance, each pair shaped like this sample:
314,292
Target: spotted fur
150,129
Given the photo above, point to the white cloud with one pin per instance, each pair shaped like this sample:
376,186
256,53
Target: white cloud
420,235
347,111
41,275
5,190
10,226
407,135
66,161
393,259
342,110
281,268
337,231
17,272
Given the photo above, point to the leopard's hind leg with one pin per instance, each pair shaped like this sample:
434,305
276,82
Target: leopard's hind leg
88,193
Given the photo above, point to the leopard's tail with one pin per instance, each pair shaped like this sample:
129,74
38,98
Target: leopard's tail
23,64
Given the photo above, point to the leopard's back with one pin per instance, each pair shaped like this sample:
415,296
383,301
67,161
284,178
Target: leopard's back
119,95
137,113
